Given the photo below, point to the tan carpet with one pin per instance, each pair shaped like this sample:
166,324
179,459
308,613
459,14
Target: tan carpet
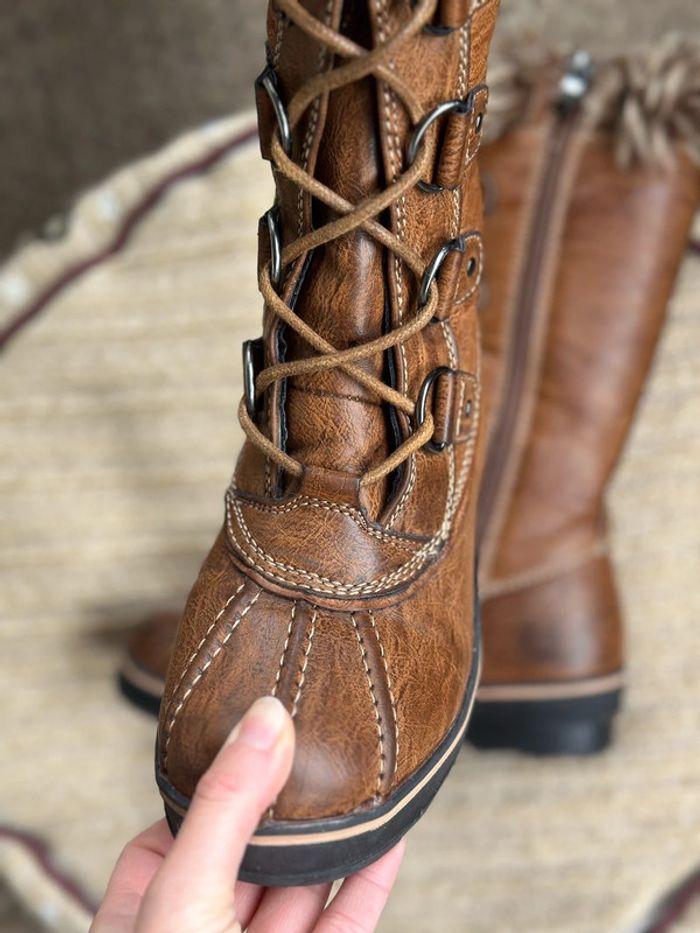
118,433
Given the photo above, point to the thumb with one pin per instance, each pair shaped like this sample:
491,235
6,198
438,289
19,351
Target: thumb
194,887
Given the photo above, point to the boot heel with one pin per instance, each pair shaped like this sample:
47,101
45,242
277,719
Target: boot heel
576,726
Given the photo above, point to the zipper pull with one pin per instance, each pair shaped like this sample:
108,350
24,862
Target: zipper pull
575,82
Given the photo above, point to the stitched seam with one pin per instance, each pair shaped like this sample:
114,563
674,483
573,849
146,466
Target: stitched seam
390,688
280,666
282,23
325,505
375,704
398,575
313,123
304,664
394,149
196,651
301,676
201,673
334,586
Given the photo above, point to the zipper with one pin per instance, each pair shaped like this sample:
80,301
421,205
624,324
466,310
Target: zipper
573,87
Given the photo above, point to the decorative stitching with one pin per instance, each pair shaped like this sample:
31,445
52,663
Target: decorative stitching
375,704
280,666
332,586
405,571
389,688
395,158
282,23
305,661
313,122
205,667
302,677
299,502
196,651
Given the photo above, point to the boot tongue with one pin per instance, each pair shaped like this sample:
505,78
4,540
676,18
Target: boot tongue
331,420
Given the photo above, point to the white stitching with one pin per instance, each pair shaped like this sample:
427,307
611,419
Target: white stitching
455,485
375,704
300,501
282,23
394,148
389,688
336,586
196,651
280,666
200,674
313,121
302,677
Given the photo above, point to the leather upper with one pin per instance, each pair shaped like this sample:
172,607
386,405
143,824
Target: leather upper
614,243
352,601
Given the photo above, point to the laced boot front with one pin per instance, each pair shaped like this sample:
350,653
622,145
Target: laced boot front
343,579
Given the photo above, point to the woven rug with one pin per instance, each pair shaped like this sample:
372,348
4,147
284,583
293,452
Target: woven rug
118,433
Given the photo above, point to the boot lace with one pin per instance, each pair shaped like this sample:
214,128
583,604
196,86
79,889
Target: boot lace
358,63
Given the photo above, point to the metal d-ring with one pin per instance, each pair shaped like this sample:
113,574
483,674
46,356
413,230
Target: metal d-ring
272,219
461,107
422,402
452,246
268,82
253,353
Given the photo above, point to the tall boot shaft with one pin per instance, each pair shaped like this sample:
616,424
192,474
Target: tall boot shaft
583,255
354,140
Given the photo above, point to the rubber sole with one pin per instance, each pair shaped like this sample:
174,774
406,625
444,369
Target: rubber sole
579,725
283,854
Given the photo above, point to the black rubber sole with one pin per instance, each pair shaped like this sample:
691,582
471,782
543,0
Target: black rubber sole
320,862
141,698
575,726
339,846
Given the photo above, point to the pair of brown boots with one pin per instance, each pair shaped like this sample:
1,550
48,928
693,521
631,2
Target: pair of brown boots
376,468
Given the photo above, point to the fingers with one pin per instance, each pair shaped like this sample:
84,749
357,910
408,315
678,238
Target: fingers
196,880
292,909
134,871
362,898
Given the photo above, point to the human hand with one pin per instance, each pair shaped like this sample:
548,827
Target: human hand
186,885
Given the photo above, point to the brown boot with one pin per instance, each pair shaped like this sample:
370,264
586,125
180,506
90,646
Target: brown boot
343,579
584,240
146,658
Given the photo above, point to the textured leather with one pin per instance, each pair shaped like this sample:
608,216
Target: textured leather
351,602
550,604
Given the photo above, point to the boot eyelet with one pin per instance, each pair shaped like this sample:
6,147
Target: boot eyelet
272,219
253,358
267,80
461,107
433,268
472,266
422,403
